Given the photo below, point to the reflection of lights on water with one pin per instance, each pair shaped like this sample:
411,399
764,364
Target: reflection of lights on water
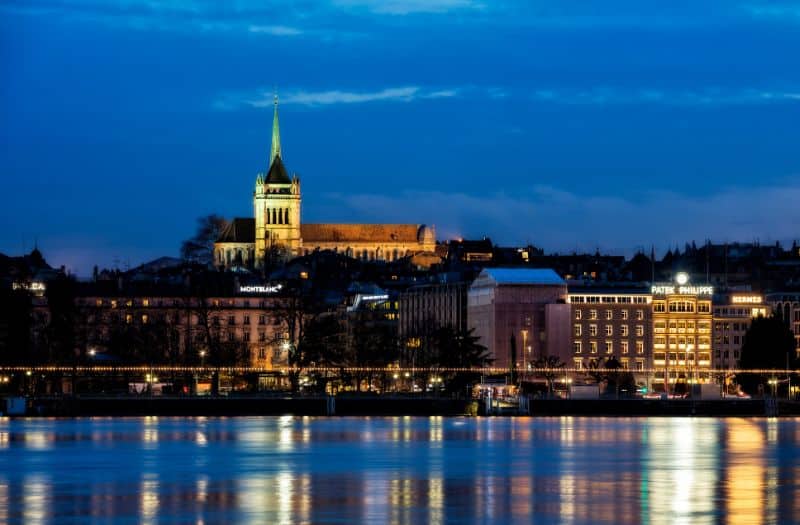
4,502
202,489
284,486
148,499
682,469
436,432
36,497
200,438
38,440
4,439
436,499
745,473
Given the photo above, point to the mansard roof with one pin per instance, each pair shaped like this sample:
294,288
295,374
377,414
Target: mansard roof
239,230
277,172
388,233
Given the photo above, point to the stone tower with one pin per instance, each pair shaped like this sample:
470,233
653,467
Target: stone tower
276,203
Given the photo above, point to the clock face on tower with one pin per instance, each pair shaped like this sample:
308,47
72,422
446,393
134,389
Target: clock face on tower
682,278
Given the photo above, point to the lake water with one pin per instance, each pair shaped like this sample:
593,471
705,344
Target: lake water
400,470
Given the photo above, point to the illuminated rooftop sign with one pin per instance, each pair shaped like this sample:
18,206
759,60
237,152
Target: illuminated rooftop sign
682,287
260,289
747,299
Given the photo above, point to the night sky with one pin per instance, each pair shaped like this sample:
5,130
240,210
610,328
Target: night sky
569,125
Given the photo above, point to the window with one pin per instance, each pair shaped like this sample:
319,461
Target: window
576,347
592,330
231,320
609,347
624,314
262,337
577,330
623,347
639,347
262,353
624,330
639,315
246,337
609,329
592,314
659,307
578,363
246,319
593,347
231,336
577,315
262,319
704,307
639,364
639,330
609,315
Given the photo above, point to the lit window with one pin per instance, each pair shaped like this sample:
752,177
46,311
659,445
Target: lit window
593,347
609,347
609,329
639,330
576,347
623,347
592,314
609,315
639,347
624,314
624,330
577,315
592,330
578,330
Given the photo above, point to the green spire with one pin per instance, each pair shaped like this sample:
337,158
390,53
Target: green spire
276,135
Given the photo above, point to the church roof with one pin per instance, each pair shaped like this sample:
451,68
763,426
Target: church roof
277,172
316,233
239,230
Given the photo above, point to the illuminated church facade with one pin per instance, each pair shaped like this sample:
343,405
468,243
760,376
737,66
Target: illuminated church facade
277,232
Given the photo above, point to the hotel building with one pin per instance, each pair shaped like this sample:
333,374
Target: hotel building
610,323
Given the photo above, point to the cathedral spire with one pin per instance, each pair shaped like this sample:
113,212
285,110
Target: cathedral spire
276,134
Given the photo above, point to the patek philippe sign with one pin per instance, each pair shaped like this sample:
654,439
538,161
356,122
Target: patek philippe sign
681,287
260,289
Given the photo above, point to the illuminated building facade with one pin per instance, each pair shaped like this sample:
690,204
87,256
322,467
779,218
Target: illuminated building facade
527,306
190,326
682,321
733,315
276,233
609,324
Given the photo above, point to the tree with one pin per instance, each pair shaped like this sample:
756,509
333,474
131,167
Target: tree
200,248
550,364
459,349
768,344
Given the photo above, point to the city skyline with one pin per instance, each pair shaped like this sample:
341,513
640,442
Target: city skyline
570,128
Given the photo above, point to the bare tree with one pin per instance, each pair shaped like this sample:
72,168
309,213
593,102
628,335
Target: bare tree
200,248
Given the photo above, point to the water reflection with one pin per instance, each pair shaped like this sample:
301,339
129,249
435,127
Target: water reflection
401,470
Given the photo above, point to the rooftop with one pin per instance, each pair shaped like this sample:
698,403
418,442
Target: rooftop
523,276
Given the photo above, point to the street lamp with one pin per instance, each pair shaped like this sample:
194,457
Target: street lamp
774,383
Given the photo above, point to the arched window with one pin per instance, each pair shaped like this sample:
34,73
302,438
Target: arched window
394,254
274,217
266,211
286,212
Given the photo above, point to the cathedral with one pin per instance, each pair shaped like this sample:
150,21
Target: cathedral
277,233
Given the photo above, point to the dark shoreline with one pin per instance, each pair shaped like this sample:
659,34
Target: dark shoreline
77,406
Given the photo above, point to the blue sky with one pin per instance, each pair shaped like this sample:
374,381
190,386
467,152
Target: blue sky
569,125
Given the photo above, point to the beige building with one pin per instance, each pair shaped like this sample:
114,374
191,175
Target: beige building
519,304
682,321
609,324
185,325
276,232
732,318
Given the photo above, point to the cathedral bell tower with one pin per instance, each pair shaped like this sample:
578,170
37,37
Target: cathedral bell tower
276,203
